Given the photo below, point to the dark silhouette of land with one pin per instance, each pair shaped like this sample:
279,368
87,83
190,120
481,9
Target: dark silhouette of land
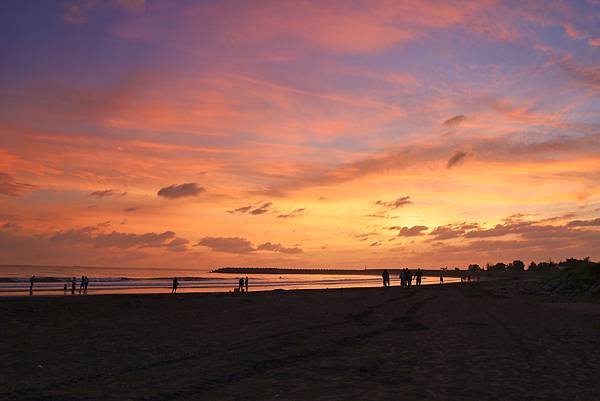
498,270
476,341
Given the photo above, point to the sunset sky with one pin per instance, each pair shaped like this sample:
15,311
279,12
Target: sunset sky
298,133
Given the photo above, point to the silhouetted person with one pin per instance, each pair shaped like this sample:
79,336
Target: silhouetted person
82,284
246,283
418,276
441,278
409,277
385,275
73,285
86,282
65,289
241,284
175,285
402,278
31,281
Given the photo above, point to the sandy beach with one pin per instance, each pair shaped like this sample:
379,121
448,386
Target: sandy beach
479,341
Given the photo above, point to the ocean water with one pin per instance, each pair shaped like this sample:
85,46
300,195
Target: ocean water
50,280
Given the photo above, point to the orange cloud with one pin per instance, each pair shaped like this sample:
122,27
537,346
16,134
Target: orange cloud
9,186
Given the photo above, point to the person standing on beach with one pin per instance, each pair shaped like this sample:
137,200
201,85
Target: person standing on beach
82,284
418,275
442,278
73,285
241,284
409,277
385,275
31,281
175,285
402,278
85,284
246,283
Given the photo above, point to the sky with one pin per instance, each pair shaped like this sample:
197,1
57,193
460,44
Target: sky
342,134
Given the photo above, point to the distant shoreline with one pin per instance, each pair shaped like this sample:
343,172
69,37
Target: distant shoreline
355,272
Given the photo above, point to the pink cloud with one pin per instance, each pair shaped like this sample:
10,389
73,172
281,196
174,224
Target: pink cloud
334,26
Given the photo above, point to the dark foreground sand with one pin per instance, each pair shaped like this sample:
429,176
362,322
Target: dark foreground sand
471,342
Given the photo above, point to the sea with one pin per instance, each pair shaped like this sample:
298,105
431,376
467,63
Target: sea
57,280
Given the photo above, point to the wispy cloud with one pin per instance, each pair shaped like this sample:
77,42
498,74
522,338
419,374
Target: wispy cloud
238,245
9,186
294,213
456,158
454,121
255,211
180,191
235,245
413,231
400,202
268,246
75,12
107,192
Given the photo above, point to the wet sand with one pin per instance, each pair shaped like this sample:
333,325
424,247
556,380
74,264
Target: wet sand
479,341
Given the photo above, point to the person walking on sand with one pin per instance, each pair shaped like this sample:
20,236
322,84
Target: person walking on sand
175,285
31,281
385,275
246,283
73,285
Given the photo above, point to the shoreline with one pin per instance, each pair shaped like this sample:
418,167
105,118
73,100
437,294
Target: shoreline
188,290
203,284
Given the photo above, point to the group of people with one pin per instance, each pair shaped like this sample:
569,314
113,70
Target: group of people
406,277
84,282
83,285
243,284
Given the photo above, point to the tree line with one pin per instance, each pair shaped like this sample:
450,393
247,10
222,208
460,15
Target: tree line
519,266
